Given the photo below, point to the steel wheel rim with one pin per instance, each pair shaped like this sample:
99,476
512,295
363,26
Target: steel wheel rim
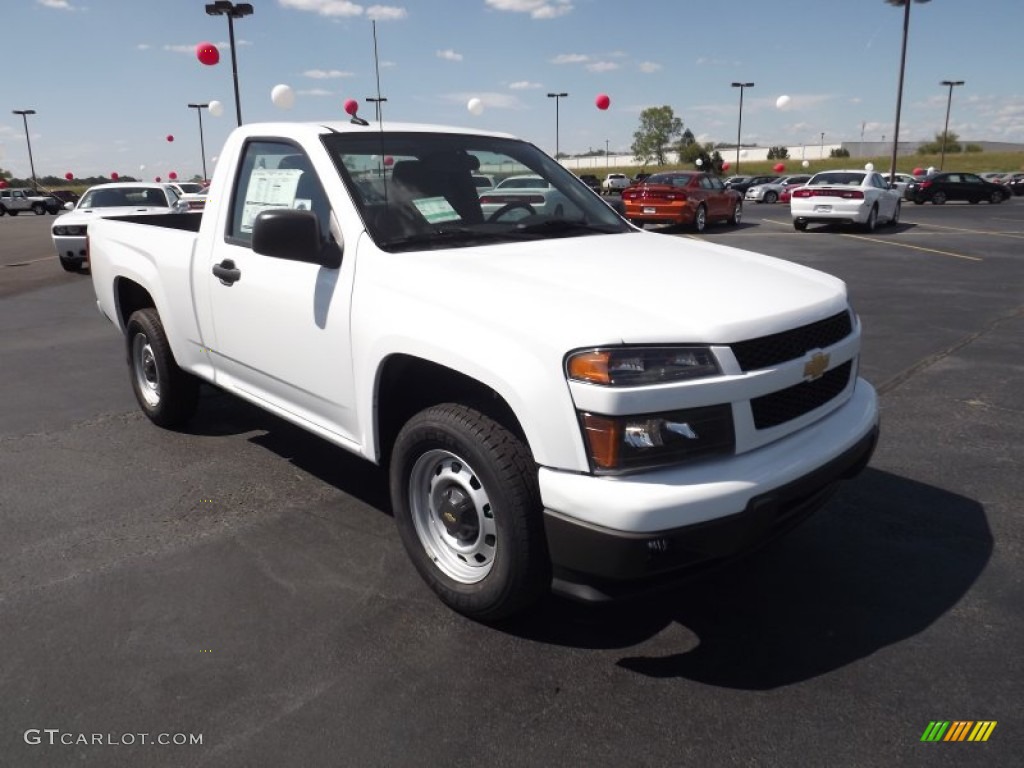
737,215
700,219
147,374
438,478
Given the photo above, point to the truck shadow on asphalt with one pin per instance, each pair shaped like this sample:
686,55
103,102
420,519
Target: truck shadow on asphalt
885,559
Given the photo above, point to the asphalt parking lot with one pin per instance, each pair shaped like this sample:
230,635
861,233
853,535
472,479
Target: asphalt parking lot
243,581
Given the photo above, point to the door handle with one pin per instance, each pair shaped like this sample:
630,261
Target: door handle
227,272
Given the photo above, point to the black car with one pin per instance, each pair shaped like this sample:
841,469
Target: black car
751,181
591,181
1015,183
940,187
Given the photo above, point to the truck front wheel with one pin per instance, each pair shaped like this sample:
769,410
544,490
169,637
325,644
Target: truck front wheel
465,499
167,395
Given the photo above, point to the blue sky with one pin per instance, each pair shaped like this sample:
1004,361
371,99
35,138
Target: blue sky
110,79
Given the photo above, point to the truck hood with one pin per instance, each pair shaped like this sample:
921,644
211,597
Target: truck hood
637,288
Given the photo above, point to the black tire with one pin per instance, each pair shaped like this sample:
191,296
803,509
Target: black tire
799,226
996,198
167,395
14,213
700,219
468,510
974,201
896,214
872,222
939,198
2,210
771,196
737,214
39,209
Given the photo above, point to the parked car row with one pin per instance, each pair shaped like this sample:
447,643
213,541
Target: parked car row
937,188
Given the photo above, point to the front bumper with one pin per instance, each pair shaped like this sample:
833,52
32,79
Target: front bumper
722,510
71,248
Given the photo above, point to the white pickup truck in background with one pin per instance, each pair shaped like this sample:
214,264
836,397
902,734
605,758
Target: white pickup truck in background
561,400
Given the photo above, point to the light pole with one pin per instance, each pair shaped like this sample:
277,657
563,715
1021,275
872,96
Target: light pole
945,131
821,149
232,11
202,146
739,127
899,90
557,97
607,160
24,118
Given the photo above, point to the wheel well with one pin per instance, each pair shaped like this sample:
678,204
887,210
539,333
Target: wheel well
409,384
130,297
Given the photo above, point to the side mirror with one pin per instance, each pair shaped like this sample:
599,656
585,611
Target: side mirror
286,233
69,206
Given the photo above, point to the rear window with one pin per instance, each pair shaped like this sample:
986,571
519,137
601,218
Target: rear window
673,179
835,177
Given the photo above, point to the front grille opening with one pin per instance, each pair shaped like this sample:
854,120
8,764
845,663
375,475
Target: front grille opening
754,354
792,402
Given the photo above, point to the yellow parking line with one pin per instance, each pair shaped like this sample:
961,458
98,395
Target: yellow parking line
1013,235
915,247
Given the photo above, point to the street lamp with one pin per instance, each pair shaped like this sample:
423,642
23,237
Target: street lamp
202,146
607,160
821,149
24,118
899,90
949,103
739,128
557,97
232,11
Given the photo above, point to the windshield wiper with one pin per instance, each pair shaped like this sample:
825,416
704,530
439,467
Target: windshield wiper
565,226
442,237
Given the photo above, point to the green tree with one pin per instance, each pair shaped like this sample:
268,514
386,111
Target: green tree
659,128
839,152
778,153
935,147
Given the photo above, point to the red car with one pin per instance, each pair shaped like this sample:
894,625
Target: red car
787,191
682,197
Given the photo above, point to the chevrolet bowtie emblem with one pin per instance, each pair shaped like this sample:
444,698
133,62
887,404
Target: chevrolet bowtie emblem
816,366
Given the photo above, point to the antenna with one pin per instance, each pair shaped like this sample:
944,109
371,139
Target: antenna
380,119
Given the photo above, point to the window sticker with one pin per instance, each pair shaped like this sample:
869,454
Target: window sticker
436,209
269,188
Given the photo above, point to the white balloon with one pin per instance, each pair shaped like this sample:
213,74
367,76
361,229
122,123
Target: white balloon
869,166
699,162
782,102
282,96
743,153
142,167
216,108
806,163
475,106
931,169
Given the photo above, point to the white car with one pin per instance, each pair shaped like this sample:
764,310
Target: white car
900,182
853,197
192,193
615,181
770,192
527,194
117,199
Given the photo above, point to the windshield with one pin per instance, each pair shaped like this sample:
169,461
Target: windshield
123,196
416,190
190,189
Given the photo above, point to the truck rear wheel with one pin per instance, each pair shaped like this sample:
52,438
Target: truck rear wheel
167,395
465,499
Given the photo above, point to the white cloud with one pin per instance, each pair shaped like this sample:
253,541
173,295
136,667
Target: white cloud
524,85
341,8
602,66
60,5
326,74
385,13
449,55
315,92
143,47
570,58
538,9
649,66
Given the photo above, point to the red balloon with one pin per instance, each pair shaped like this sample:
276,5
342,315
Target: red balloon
3,184
779,167
389,160
114,176
172,175
919,171
157,179
207,54
69,175
170,138
351,106
602,101
725,166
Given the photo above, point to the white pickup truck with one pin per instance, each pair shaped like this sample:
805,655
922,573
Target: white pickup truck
561,400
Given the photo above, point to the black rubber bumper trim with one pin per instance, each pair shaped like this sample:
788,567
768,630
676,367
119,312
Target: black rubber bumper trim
593,563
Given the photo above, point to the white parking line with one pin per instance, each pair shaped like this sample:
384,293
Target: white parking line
914,247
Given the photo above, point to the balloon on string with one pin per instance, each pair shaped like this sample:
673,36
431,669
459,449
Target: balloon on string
142,167
207,54
743,153
170,137
699,162
69,175
114,176
806,163
157,179
779,167
475,106
602,101
282,96
918,171
3,184
869,166
782,102
726,165
216,108
389,160
931,169
351,106
172,175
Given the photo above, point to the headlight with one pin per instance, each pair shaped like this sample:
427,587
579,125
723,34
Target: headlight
71,229
630,443
637,366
